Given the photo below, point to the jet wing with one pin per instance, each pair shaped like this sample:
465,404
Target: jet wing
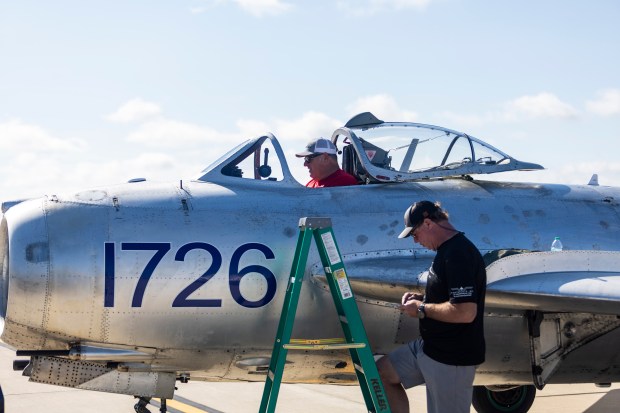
566,281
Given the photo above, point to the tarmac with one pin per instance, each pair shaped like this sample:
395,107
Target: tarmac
20,396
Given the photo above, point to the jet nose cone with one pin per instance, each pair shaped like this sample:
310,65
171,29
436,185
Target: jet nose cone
4,270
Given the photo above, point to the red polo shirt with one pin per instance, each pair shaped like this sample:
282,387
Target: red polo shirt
338,178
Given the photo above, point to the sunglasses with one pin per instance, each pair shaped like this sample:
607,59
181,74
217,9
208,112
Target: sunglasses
414,231
311,157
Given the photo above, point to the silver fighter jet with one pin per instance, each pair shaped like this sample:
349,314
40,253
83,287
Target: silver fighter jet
131,288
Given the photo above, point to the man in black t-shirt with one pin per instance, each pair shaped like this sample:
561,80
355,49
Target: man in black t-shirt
450,315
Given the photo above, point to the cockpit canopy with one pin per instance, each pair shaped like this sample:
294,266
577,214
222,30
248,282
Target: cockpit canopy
378,151
375,151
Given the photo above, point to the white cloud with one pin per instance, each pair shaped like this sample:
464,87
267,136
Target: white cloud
134,110
41,174
461,121
31,173
371,7
153,162
252,128
606,104
150,165
173,133
383,107
294,132
581,172
542,105
19,136
310,125
260,8
206,5
257,8
197,10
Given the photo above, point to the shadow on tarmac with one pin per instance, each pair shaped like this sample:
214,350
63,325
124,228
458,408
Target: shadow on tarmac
609,403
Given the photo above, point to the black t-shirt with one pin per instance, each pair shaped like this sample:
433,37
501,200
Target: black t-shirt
457,275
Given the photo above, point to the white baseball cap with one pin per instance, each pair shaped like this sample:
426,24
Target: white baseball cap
320,145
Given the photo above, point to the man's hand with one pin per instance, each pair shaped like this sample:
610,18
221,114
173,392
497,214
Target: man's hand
411,307
411,296
410,303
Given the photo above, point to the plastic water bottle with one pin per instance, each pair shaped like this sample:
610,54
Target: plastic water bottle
556,245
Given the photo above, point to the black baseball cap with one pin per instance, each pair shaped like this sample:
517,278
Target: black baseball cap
415,215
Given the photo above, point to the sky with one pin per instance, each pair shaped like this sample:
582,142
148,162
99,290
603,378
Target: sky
99,92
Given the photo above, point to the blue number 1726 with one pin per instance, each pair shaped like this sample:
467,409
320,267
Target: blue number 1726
160,249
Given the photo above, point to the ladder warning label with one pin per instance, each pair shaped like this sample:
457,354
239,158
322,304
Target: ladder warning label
330,246
343,284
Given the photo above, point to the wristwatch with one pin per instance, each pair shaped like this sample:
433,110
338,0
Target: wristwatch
421,311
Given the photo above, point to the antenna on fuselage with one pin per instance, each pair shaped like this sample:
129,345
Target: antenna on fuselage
594,180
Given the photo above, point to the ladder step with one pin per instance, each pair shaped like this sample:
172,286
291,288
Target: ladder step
337,340
323,346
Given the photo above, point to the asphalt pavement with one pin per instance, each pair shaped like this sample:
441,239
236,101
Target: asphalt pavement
202,397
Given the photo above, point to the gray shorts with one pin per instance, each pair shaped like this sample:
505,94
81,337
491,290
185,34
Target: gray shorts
448,388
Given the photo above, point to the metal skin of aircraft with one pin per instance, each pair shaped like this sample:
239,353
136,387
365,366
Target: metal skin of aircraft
130,288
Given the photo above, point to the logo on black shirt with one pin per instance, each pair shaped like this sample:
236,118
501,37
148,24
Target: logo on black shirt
462,292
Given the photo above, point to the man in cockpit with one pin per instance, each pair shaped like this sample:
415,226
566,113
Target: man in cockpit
322,163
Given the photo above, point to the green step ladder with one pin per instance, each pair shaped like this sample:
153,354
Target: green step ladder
355,340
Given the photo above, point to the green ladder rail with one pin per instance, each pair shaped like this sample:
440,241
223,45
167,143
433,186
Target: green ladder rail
356,340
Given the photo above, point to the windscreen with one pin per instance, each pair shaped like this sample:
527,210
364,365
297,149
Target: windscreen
410,148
